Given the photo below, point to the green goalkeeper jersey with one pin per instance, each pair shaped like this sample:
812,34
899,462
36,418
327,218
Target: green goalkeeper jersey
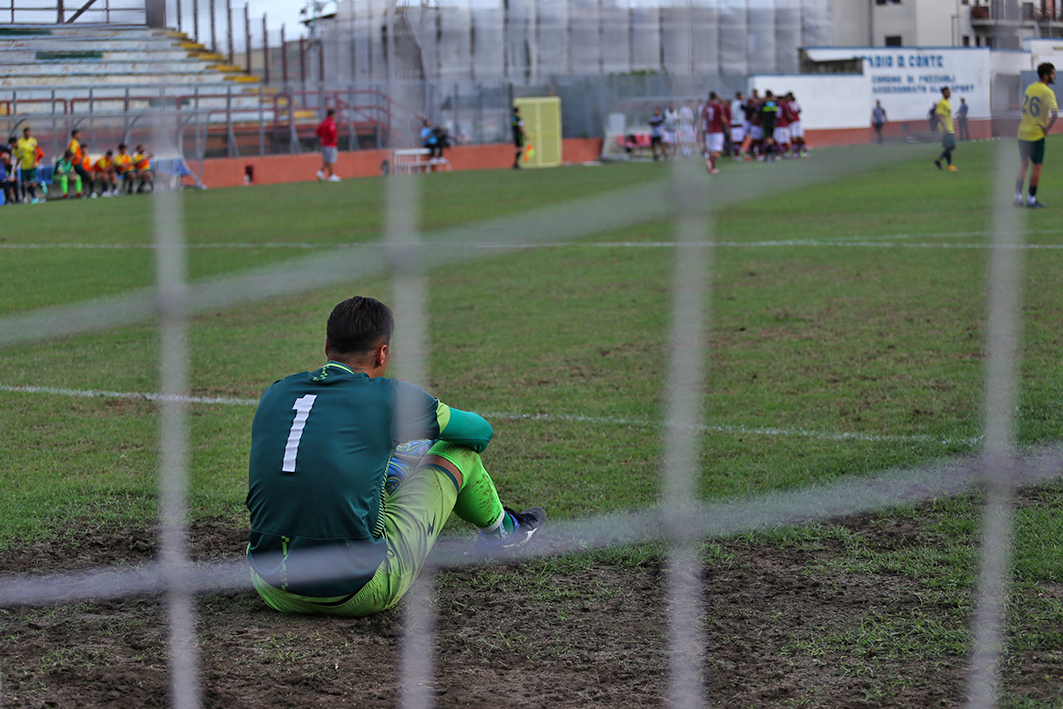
320,445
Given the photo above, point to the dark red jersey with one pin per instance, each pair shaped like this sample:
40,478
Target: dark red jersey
715,117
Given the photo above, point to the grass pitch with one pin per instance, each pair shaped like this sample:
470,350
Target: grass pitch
845,336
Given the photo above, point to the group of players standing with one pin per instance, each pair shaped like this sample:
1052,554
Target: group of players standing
20,161
754,128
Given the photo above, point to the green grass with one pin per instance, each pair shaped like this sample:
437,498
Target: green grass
878,342
854,322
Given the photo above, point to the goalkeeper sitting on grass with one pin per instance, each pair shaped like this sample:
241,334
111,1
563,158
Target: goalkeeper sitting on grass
330,495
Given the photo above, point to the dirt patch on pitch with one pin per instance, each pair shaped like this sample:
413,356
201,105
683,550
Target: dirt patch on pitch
778,633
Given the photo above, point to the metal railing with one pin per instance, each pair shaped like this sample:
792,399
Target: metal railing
123,12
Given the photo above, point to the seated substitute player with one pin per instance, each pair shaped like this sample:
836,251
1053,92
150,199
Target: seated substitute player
124,168
323,490
8,172
142,165
63,172
103,172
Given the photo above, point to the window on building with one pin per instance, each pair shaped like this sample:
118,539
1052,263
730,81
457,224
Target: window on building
967,40
893,40
989,42
977,41
887,2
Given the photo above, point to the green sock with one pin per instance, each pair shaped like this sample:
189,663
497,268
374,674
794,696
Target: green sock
477,502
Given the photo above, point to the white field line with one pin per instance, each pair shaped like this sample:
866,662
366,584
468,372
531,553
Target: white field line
883,241
511,416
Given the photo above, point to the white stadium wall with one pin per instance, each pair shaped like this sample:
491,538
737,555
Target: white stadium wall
826,99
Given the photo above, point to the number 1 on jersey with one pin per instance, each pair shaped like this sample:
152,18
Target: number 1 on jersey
302,412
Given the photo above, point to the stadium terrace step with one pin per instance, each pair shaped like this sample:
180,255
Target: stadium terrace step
72,59
78,30
80,82
52,43
46,72
10,57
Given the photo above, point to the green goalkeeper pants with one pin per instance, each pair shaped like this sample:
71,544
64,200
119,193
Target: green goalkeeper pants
413,518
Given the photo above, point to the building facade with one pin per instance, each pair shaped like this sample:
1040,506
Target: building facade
997,24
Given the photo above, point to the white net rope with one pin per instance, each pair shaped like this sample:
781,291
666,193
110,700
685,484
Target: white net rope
688,522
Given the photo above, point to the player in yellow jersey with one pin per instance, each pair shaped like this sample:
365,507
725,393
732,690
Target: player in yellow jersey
144,173
104,173
1039,113
948,135
28,153
78,162
124,168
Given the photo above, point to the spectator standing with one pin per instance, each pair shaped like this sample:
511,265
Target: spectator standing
878,119
328,134
656,122
961,121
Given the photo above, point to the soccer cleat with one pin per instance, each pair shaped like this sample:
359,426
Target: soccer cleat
1019,201
952,168
714,171
937,163
526,525
1034,205
333,178
320,175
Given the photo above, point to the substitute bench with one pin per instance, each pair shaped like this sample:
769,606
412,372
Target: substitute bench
412,160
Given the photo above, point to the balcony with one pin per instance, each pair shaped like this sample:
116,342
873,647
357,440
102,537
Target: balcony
1007,13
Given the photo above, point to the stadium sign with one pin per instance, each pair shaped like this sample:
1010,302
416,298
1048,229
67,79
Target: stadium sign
908,80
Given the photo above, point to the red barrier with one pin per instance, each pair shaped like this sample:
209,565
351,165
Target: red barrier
275,169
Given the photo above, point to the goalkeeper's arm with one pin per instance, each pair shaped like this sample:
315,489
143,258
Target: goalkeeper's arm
464,428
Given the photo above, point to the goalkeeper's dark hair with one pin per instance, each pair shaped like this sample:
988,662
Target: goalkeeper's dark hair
359,325
1044,69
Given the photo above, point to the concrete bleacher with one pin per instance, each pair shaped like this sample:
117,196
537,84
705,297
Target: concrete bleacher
71,62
